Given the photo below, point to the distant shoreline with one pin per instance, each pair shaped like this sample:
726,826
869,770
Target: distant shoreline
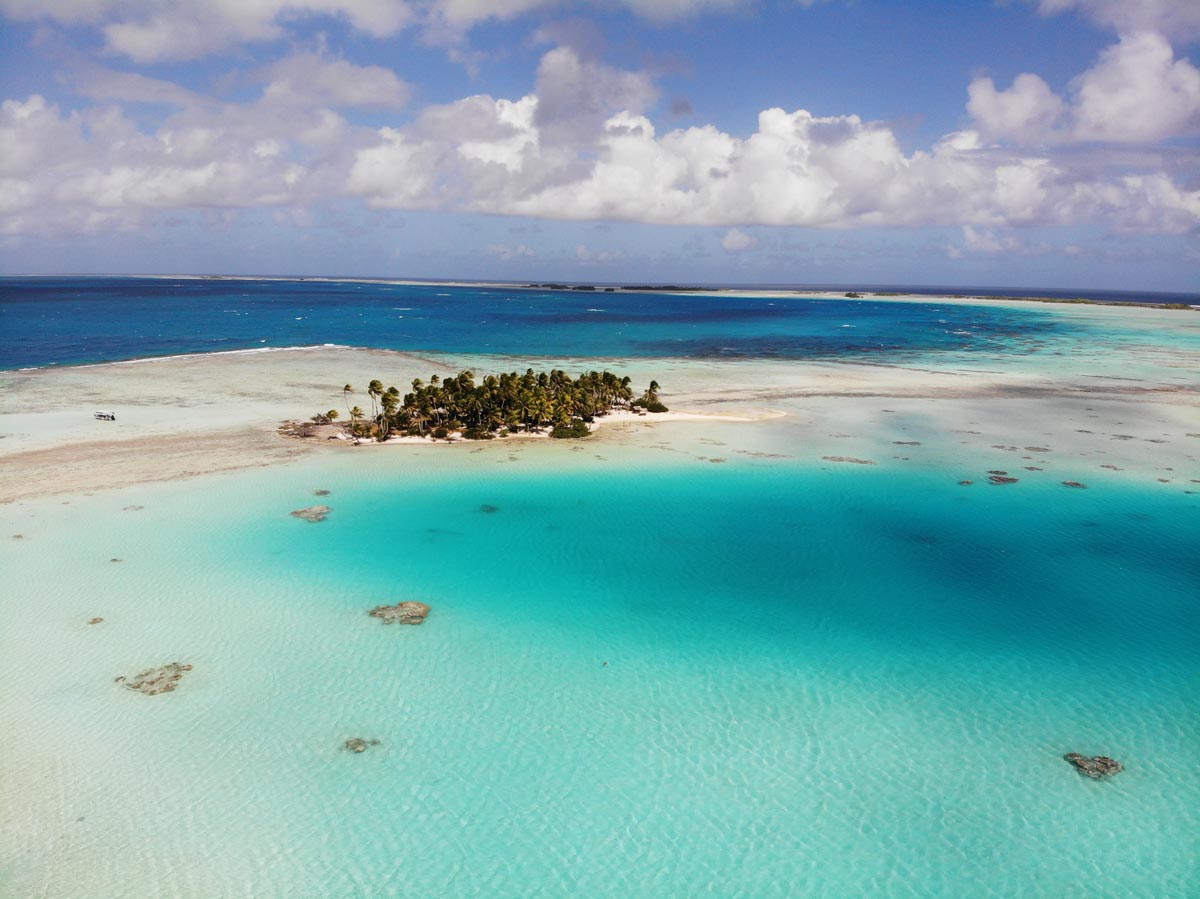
841,293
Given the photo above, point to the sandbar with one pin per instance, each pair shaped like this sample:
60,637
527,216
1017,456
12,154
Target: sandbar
189,416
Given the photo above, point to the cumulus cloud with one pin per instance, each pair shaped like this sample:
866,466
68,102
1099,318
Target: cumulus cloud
796,169
991,242
575,96
1179,19
314,78
96,169
506,253
588,256
451,16
736,241
1028,111
150,30
131,87
1137,92
581,147
153,30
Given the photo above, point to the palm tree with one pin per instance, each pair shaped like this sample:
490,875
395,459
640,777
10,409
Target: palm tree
389,401
374,391
346,391
520,402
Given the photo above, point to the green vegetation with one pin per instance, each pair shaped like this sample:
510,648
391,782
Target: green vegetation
506,403
574,428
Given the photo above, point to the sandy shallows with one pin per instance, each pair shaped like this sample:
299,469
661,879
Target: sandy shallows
192,415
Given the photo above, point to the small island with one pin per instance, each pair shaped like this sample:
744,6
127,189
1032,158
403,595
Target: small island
498,405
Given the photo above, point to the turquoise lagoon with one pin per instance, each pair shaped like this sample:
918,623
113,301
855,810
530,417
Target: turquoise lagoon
643,676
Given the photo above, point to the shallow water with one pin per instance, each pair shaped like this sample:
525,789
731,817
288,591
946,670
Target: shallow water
748,679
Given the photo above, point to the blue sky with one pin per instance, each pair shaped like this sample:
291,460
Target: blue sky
1023,143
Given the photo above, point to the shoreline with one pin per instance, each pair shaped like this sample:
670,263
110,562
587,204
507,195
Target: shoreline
189,416
848,293
618,417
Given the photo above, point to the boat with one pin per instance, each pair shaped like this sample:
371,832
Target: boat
105,416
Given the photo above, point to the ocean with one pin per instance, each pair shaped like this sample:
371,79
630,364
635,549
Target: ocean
644,674
62,321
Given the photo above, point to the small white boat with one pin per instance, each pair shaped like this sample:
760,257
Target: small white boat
105,416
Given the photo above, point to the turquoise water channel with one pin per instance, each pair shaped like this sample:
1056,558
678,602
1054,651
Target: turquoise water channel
638,679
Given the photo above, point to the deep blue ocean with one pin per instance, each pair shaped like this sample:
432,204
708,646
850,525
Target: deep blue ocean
64,321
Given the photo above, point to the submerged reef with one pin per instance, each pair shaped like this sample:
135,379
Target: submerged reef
313,513
409,612
153,681
1097,767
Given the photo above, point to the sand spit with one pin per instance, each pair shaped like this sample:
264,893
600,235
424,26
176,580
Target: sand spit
1062,420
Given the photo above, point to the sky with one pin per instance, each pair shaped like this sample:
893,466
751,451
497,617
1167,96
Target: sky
1016,143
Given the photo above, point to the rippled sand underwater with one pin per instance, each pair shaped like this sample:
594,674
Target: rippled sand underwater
640,677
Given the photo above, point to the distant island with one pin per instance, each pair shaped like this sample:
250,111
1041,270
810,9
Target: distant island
502,404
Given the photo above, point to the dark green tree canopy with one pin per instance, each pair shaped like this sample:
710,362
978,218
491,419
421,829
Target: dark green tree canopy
510,401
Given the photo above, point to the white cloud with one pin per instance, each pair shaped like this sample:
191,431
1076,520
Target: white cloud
990,242
314,78
1028,111
506,253
1176,18
155,30
397,173
152,30
796,169
92,170
584,158
587,256
446,18
575,96
1137,92
131,87
736,241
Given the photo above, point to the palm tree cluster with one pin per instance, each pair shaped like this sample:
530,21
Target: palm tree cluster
508,401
